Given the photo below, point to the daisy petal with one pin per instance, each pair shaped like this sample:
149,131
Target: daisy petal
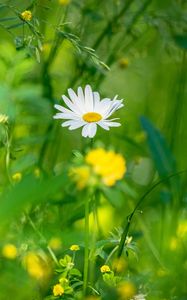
66,116
111,124
114,106
96,100
81,99
88,98
103,125
62,108
72,95
103,105
67,123
85,131
92,130
76,124
58,116
71,105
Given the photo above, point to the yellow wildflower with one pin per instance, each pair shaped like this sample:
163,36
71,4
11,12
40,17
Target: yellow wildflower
108,164
174,243
17,177
119,264
36,266
26,15
123,63
55,243
37,172
81,176
126,290
105,269
9,251
58,290
64,2
182,229
74,248
3,119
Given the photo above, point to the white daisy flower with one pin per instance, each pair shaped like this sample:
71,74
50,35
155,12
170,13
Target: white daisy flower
87,110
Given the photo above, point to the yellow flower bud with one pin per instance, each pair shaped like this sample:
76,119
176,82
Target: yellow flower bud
17,177
9,251
26,15
55,243
123,63
126,290
105,269
64,2
74,248
58,290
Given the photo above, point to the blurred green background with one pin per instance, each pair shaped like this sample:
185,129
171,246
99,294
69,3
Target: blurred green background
135,49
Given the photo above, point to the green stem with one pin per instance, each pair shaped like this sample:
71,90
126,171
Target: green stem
42,238
86,253
94,237
7,158
129,218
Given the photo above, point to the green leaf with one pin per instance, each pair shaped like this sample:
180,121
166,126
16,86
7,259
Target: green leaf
66,262
75,272
114,196
15,26
160,151
8,19
37,52
124,187
29,190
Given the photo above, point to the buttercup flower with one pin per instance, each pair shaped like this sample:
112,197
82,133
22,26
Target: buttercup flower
64,2
109,165
36,266
74,248
123,63
58,290
87,110
9,251
105,269
55,243
26,15
126,290
16,177
81,176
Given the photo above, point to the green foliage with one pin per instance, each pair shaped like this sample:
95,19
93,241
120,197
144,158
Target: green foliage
136,49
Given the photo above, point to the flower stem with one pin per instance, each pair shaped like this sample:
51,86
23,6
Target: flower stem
86,253
42,238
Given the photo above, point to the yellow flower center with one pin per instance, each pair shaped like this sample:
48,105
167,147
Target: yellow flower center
92,117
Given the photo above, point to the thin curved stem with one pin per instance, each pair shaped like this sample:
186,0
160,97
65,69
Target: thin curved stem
129,218
42,238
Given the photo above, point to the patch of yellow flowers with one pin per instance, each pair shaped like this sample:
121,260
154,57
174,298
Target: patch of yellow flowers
107,165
